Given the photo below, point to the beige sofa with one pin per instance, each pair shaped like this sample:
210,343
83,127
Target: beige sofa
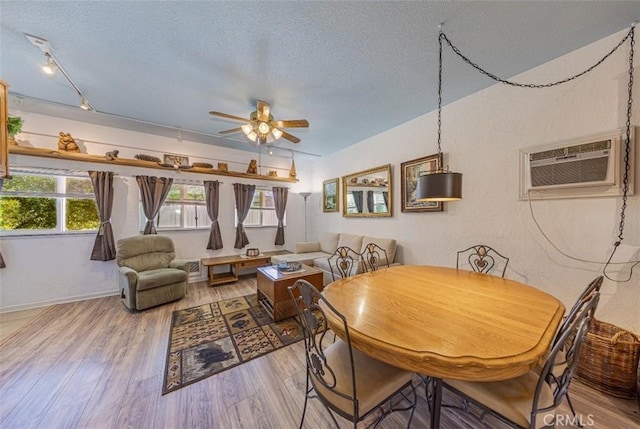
317,253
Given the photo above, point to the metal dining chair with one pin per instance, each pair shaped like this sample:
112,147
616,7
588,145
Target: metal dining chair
530,401
589,294
346,381
374,257
482,259
344,263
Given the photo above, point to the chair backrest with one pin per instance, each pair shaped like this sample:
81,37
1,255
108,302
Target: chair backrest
583,300
558,371
145,252
482,259
344,262
373,256
323,371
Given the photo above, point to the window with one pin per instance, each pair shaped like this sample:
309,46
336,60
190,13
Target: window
184,208
262,212
47,203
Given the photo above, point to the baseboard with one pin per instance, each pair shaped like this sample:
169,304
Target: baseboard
64,300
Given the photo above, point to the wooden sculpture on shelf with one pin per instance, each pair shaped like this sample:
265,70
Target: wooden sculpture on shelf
292,172
66,143
253,167
273,173
112,155
222,166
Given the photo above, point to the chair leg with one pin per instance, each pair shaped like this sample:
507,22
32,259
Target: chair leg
573,411
306,399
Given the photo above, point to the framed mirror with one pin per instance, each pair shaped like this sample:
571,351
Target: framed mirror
367,193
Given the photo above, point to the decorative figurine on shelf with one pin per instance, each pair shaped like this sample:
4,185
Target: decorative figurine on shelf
149,158
111,156
66,143
222,166
292,172
253,167
273,173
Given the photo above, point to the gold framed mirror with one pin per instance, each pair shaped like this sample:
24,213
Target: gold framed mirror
368,193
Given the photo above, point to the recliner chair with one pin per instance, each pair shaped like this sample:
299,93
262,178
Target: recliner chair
149,273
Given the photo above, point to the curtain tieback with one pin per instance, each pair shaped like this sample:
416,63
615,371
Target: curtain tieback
102,224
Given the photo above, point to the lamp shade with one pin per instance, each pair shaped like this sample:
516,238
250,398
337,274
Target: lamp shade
440,186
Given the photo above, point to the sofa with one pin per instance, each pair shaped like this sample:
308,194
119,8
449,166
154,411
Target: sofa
317,253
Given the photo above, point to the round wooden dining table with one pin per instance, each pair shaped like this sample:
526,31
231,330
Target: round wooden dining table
446,323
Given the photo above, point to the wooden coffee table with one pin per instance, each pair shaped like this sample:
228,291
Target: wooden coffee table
273,294
235,264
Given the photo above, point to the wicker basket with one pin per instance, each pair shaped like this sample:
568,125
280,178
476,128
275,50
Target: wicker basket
609,360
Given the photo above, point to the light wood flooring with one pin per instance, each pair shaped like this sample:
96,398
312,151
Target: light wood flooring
93,364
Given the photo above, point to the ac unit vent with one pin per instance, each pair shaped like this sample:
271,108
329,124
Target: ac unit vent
585,167
193,267
571,165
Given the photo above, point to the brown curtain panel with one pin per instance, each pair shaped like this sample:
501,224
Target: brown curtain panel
153,191
212,197
280,201
244,197
2,264
104,248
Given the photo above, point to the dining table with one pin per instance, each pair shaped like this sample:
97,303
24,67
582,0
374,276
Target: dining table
446,323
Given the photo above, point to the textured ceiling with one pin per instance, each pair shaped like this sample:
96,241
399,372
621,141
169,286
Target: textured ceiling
353,69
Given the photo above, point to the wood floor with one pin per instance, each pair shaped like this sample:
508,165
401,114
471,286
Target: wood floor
92,364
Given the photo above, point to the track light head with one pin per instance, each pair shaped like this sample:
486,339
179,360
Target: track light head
50,66
84,104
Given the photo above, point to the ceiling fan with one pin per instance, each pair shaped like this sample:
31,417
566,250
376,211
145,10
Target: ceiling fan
261,128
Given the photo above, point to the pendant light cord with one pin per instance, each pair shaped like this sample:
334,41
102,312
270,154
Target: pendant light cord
627,154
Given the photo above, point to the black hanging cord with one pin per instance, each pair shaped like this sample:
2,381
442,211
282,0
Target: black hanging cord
627,161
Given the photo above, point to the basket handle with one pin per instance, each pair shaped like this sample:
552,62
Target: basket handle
617,335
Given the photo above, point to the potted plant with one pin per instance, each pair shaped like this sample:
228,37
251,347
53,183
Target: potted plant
14,126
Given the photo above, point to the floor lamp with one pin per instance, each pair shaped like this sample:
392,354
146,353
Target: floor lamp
305,195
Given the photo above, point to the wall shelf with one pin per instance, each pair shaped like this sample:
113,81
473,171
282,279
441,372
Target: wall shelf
48,153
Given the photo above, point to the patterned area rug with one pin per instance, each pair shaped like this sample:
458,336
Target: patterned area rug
211,338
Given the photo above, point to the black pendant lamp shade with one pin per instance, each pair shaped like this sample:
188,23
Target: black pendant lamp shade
439,186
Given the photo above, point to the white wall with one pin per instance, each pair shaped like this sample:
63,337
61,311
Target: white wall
52,269
481,135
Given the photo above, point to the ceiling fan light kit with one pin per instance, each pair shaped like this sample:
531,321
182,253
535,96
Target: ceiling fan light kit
261,128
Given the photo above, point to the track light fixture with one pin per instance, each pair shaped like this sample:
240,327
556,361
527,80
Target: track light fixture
52,64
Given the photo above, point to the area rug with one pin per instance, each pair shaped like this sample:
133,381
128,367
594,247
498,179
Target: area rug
211,338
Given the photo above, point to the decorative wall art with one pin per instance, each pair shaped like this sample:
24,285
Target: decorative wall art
409,172
330,195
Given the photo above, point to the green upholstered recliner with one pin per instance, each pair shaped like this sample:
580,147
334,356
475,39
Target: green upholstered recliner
149,273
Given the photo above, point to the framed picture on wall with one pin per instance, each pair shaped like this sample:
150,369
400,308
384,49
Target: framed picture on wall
409,173
330,195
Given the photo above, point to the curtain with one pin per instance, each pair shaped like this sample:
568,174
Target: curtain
385,195
370,201
104,248
280,201
153,191
244,197
212,197
2,264
357,199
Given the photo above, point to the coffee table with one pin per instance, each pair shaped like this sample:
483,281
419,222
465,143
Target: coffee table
273,294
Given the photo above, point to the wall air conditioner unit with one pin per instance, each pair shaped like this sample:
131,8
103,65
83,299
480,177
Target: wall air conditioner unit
591,166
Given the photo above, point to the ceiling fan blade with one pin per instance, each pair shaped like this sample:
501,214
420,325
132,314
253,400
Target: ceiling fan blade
264,110
231,131
293,123
228,116
292,139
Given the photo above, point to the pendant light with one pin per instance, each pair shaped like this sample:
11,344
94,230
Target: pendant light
441,184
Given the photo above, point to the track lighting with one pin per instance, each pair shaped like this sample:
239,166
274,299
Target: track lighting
53,64
84,104
50,66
